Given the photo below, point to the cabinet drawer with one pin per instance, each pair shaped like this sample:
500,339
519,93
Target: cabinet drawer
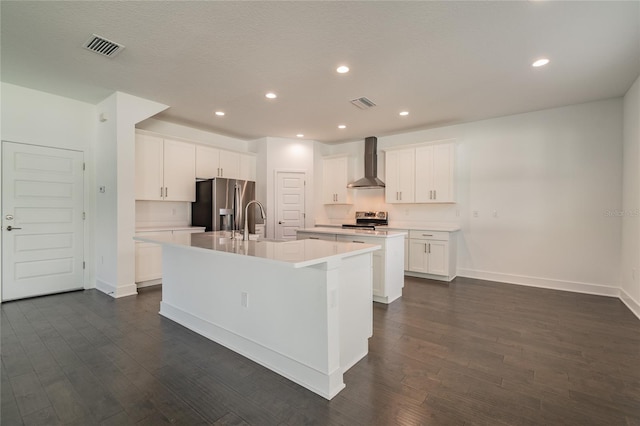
428,235
316,236
361,239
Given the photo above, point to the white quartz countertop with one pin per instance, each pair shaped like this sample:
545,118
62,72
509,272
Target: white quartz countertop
360,232
399,226
170,228
297,253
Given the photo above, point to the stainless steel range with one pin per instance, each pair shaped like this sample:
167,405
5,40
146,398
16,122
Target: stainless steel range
368,220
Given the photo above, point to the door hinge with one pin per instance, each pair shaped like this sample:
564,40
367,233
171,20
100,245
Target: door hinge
83,166
304,215
83,264
84,215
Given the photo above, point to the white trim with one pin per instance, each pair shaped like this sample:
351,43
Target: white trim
633,305
310,378
574,286
116,292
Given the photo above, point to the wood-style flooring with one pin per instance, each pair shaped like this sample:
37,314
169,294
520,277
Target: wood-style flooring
471,352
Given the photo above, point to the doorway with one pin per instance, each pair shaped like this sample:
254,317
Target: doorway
290,212
42,220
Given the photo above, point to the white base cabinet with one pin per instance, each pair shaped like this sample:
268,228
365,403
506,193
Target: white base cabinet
431,254
388,276
149,256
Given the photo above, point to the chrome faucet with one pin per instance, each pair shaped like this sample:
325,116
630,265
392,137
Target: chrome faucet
245,235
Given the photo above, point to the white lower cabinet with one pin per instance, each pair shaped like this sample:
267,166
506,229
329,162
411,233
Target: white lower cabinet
388,275
149,256
431,254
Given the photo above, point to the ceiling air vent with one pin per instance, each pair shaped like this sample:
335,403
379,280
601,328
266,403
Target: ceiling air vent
102,46
363,103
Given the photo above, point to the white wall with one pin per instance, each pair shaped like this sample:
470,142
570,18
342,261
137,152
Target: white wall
38,118
630,212
552,176
281,154
193,135
115,222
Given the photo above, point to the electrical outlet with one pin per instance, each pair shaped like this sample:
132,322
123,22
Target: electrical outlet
244,299
495,213
475,213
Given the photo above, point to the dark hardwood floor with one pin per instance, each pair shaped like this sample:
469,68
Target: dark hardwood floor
471,352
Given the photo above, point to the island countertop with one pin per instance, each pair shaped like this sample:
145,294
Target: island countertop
296,254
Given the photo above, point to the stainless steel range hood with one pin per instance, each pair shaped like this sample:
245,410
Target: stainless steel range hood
370,179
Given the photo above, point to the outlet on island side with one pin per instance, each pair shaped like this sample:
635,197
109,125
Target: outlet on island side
244,299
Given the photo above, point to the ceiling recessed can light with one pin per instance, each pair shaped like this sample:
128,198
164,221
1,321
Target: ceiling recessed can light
403,113
300,135
342,69
219,113
540,62
342,126
271,95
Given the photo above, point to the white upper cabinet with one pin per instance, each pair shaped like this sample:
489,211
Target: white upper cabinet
435,173
400,176
421,174
213,162
207,162
165,169
335,178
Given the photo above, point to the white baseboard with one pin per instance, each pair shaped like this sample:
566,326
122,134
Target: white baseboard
633,305
574,286
116,292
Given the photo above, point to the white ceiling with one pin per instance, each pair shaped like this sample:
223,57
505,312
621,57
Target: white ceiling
445,62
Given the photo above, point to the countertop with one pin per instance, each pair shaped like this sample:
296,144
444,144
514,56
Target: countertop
297,253
399,226
361,232
170,228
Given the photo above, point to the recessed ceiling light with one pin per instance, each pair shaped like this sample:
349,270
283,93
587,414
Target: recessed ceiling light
342,69
219,113
403,113
271,95
300,135
540,62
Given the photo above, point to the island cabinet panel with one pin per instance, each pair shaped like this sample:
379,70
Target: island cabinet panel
335,178
165,169
388,261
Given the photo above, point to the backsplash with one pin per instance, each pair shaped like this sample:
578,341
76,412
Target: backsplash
162,213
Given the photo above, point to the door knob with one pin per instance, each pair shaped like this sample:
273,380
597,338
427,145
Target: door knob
280,222
9,228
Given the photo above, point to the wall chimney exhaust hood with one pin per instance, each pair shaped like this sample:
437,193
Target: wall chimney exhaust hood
370,179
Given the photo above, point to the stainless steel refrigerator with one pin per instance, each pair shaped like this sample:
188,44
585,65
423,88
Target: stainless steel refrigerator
220,204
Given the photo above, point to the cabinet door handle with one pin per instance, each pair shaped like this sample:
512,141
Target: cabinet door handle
435,196
429,248
314,238
425,247
166,192
161,189
400,195
431,195
427,235
359,242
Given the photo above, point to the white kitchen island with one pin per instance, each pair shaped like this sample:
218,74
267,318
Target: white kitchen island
300,308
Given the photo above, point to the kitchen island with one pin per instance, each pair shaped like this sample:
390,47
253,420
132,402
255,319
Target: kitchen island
300,308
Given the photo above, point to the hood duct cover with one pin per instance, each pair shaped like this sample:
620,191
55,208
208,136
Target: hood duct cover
370,179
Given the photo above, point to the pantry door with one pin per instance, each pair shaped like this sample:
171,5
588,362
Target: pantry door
290,191
42,220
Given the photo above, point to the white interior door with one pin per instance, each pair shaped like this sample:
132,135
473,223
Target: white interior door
42,224
290,188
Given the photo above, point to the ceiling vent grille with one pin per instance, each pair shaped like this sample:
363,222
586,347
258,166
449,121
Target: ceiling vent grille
102,46
363,103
